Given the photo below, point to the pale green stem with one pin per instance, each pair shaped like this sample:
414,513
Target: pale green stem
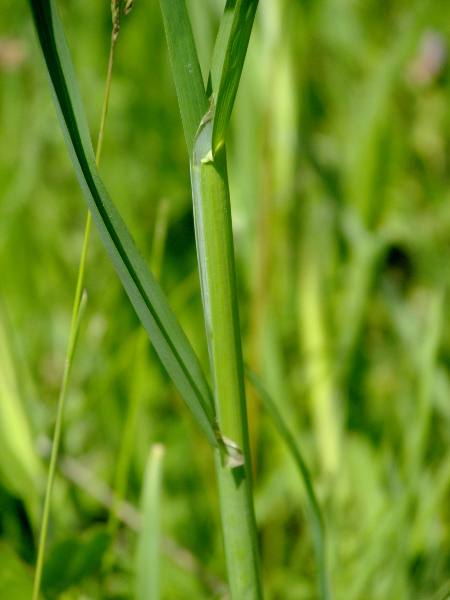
77,314
212,213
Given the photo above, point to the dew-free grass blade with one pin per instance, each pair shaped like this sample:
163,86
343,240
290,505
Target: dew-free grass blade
313,506
228,61
148,545
186,68
148,300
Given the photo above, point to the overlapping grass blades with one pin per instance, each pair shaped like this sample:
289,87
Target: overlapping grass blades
226,66
149,301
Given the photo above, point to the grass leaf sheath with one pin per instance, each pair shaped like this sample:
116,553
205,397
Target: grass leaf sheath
215,253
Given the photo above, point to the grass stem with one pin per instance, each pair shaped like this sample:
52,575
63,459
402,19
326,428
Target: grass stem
215,248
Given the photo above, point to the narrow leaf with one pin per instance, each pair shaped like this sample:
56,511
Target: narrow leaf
149,540
315,514
228,61
148,300
185,66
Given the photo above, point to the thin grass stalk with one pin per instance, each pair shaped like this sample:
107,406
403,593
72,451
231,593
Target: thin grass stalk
56,441
205,139
79,306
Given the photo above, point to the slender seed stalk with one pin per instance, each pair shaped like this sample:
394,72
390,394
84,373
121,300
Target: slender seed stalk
79,306
87,230
56,440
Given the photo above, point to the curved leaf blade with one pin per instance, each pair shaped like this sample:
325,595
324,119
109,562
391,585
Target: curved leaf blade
315,513
148,299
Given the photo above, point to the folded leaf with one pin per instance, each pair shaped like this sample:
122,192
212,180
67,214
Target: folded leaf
228,61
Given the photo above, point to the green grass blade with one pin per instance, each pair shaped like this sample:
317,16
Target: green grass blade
313,506
186,68
220,47
149,301
228,61
148,549
20,468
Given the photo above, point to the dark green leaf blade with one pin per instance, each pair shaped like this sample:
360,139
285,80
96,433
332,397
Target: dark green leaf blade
185,66
148,300
315,513
228,61
73,559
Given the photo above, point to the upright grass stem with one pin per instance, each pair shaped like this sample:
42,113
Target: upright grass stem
79,306
212,215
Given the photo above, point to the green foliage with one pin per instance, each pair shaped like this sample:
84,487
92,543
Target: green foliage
148,299
20,469
149,544
315,515
15,577
72,560
338,163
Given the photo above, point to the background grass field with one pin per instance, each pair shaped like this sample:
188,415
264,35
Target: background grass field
339,174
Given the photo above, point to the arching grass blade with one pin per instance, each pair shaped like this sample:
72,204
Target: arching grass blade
315,514
149,301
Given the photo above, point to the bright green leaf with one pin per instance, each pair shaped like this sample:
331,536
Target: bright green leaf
15,578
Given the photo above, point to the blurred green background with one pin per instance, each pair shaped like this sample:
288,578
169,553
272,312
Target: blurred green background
339,155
